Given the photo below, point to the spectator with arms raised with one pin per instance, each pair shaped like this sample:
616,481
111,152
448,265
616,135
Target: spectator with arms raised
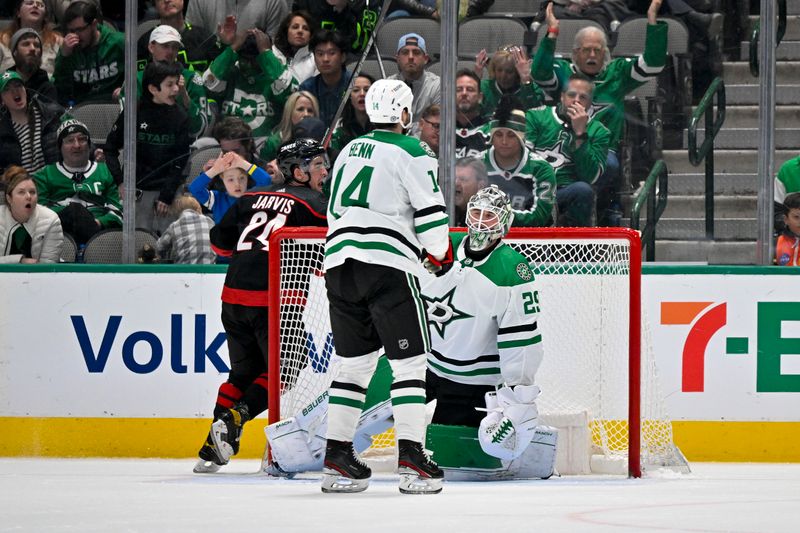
509,73
266,15
248,79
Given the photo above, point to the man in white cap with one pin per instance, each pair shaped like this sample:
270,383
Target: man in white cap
412,58
165,43
200,45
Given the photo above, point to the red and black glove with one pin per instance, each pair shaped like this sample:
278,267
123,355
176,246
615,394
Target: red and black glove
439,267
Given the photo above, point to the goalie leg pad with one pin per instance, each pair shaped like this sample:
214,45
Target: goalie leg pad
293,448
538,461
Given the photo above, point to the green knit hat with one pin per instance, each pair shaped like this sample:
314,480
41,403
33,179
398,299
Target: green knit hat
7,77
513,120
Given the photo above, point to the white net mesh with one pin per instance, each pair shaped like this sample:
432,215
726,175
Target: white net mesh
584,293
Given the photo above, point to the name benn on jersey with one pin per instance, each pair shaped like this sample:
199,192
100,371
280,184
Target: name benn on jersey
361,149
281,204
92,75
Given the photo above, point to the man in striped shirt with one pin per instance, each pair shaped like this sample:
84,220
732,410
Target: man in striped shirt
385,211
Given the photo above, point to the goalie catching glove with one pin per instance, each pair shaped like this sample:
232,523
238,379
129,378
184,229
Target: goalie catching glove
509,425
439,267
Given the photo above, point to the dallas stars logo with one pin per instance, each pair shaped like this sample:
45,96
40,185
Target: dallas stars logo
442,312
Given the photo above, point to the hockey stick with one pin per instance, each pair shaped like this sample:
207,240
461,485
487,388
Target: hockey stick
356,71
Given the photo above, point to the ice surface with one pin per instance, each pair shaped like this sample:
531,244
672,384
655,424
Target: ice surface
133,495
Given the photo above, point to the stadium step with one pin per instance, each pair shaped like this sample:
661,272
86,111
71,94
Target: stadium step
725,229
748,94
738,73
725,161
729,138
724,184
792,25
786,50
747,116
725,206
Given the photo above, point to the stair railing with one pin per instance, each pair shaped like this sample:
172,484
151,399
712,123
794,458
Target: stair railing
781,30
705,108
656,201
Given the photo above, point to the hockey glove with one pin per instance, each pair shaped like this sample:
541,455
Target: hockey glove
439,267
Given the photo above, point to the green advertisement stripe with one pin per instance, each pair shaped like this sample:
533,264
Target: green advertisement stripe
477,372
521,342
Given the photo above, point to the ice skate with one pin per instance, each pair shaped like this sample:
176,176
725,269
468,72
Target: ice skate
209,461
226,432
344,471
418,473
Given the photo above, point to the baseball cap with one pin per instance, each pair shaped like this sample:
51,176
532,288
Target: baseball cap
20,33
7,77
165,34
412,39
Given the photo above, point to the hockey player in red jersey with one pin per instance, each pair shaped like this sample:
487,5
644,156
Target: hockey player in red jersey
243,235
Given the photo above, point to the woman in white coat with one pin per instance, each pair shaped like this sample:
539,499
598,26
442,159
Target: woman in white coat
29,233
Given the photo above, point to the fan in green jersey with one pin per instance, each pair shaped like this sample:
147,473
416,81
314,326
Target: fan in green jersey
525,177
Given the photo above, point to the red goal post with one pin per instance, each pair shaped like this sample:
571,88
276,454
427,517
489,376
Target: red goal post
603,312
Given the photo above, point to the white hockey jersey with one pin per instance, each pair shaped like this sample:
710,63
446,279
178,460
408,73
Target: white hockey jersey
385,205
483,317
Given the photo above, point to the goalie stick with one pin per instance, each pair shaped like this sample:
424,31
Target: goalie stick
356,71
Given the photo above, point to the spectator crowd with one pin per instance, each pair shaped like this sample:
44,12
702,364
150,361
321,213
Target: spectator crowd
237,80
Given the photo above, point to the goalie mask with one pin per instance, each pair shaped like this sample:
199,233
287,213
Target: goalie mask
386,100
299,153
489,216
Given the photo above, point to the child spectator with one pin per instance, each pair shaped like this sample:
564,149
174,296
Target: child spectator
228,178
248,79
91,62
291,45
28,129
32,14
786,250
187,240
29,233
299,105
162,145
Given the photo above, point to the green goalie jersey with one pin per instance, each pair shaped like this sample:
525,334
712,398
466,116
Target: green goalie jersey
385,205
531,187
621,76
554,141
483,317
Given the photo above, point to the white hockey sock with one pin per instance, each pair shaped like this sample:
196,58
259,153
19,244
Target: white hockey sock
347,393
408,397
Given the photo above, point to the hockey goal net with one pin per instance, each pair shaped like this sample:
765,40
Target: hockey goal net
598,378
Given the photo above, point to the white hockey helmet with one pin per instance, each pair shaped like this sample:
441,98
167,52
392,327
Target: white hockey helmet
489,217
386,100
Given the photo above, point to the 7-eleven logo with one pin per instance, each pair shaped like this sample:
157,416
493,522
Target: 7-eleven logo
706,318
777,349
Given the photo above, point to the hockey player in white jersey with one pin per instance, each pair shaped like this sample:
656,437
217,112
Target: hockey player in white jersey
386,213
486,350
